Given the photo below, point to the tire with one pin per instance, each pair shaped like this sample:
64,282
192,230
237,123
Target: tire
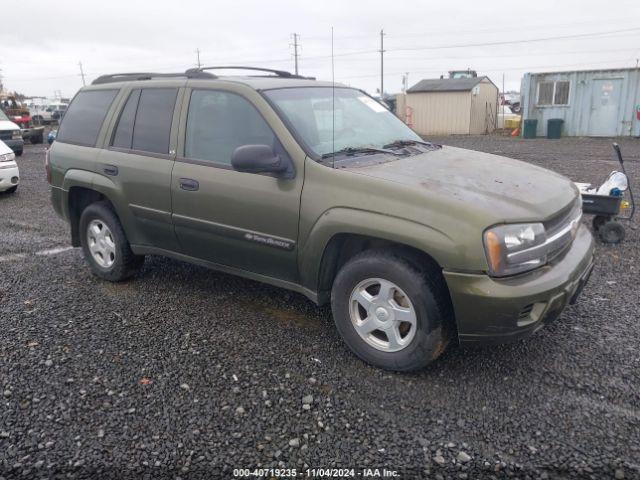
598,221
423,291
12,189
611,232
18,153
124,263
36,140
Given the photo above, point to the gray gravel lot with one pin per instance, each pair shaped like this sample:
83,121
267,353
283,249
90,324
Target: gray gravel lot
185,372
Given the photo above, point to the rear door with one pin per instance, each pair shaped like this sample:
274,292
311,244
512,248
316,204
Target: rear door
139,159
242,220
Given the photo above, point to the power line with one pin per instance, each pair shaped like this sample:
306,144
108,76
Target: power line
513,42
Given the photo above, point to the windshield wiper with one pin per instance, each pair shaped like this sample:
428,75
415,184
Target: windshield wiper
354,150
406,143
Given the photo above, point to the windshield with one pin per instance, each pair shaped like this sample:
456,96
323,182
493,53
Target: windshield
360,121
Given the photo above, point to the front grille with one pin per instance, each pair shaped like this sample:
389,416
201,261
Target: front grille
5,134
563,226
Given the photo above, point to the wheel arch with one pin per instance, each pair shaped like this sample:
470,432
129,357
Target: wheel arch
84,188
344,246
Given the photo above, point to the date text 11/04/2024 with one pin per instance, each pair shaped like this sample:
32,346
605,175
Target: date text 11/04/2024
316,473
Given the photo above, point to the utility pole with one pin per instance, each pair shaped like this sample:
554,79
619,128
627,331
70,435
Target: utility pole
295,51
198,58
82,74
382,65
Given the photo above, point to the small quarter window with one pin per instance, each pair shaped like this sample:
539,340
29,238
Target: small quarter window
123,136
219,122
84,117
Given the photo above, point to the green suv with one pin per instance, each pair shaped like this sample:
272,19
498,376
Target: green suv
318,188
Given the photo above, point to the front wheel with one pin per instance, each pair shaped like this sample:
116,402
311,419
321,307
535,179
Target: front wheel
391,313
105,244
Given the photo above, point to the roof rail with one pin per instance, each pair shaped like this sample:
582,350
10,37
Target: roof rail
278,73
124,77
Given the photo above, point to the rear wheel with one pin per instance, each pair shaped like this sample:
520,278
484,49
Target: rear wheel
391,313
105,244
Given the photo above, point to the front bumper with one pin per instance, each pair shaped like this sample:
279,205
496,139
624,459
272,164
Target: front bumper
15,144
490,310
9,177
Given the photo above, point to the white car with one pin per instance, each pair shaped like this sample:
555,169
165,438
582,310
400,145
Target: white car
9,174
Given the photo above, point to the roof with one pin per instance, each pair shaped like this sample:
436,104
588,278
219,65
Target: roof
591,70
446,84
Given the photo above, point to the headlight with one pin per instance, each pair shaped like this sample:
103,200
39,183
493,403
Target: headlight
511,249
7,157
16,134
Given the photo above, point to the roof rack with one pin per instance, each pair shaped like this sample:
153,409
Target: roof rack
277,73
123,77
190,73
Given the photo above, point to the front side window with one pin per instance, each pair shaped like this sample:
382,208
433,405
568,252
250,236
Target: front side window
152,127
219,122
329,120
84,117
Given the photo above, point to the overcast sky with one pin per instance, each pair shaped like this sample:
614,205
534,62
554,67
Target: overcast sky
41,45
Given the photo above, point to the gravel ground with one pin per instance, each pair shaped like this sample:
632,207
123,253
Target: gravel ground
184,372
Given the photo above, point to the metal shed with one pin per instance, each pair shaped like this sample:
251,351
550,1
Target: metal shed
451,106
592,103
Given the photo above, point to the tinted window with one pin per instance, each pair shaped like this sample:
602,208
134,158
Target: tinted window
84,117
219,122
123,135
153,120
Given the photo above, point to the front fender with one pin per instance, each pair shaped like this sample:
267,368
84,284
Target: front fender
342,220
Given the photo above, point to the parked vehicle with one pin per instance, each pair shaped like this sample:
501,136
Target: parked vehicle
318,188
41,114
22,117
11,134
9,174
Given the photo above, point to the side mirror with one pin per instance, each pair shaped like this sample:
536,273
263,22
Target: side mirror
257,159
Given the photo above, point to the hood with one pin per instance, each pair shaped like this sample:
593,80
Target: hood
6,125
501,188
4,148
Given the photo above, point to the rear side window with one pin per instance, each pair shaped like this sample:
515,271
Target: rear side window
123,136
219,122
84,117
153,120
145,121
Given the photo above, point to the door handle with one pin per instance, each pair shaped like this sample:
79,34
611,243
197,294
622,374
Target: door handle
189,184
111,170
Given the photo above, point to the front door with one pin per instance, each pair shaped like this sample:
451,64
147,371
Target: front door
241,220
605,105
